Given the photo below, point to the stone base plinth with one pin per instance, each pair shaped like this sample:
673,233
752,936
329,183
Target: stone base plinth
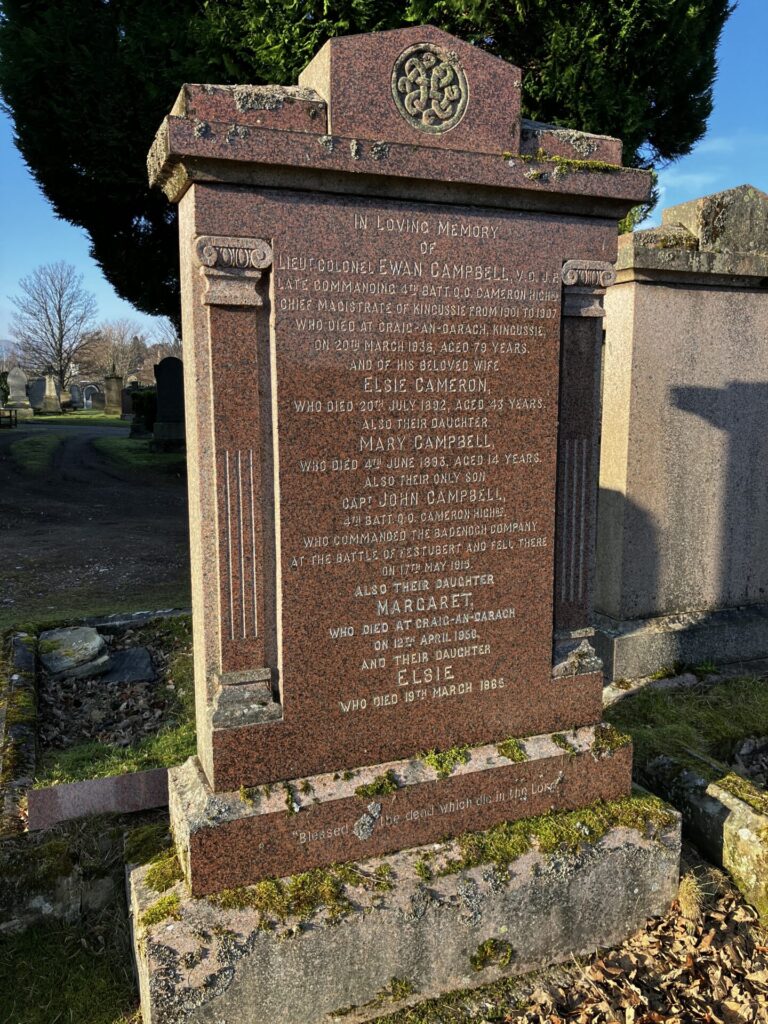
405,928
641,647
23,412
231,839
168,436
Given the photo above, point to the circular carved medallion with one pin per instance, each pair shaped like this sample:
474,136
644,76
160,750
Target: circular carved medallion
430,88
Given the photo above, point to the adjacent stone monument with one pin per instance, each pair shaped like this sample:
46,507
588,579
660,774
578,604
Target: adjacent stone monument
77,396
51,400
17,394
113,387
683,558
391,293
168,428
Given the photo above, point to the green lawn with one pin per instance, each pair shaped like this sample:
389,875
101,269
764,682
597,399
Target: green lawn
33,454
132,453
60,974
83,418
704,720
173,745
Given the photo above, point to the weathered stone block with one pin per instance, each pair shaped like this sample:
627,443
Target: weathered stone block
425,933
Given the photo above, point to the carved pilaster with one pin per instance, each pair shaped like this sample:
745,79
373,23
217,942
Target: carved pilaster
578,444
585,283
232,269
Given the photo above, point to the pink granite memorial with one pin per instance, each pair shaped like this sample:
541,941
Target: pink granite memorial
384,269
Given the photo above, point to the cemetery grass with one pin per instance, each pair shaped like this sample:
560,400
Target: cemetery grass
34,454
87,537
60,973
172,745
133,453
82,418
695,725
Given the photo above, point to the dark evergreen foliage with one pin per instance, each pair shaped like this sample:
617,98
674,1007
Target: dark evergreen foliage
89,81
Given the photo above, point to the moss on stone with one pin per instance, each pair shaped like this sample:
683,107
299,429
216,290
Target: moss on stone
445,762
512,750
745,790
164,871
567,165
491,953
423,869
558,831
19,707
562,741
53,861
608,740
161,910
382,785
383,878
398,988
299,896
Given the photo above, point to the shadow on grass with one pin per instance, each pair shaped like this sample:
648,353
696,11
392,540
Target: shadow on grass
133,453
55,972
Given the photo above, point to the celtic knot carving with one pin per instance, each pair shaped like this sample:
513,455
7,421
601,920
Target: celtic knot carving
430,88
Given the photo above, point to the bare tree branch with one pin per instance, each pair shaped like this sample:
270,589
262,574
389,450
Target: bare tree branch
53,316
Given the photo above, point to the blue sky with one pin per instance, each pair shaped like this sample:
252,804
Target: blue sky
733,152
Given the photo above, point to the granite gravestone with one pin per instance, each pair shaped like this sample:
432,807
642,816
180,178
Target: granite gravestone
17,394
77,396
169,425
113,386
683,555
51,397
391,305
374,389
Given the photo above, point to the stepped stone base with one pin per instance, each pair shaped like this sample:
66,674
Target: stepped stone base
641,647
400,941
231,839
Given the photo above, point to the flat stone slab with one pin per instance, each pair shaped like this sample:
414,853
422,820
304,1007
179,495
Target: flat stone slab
237,838
116,794
132,665
74,651
204,964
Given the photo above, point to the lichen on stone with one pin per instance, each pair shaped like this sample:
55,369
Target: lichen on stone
379,150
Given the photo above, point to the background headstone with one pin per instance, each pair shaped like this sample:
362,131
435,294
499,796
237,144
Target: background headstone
18,398
51,400
113,386
168,427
